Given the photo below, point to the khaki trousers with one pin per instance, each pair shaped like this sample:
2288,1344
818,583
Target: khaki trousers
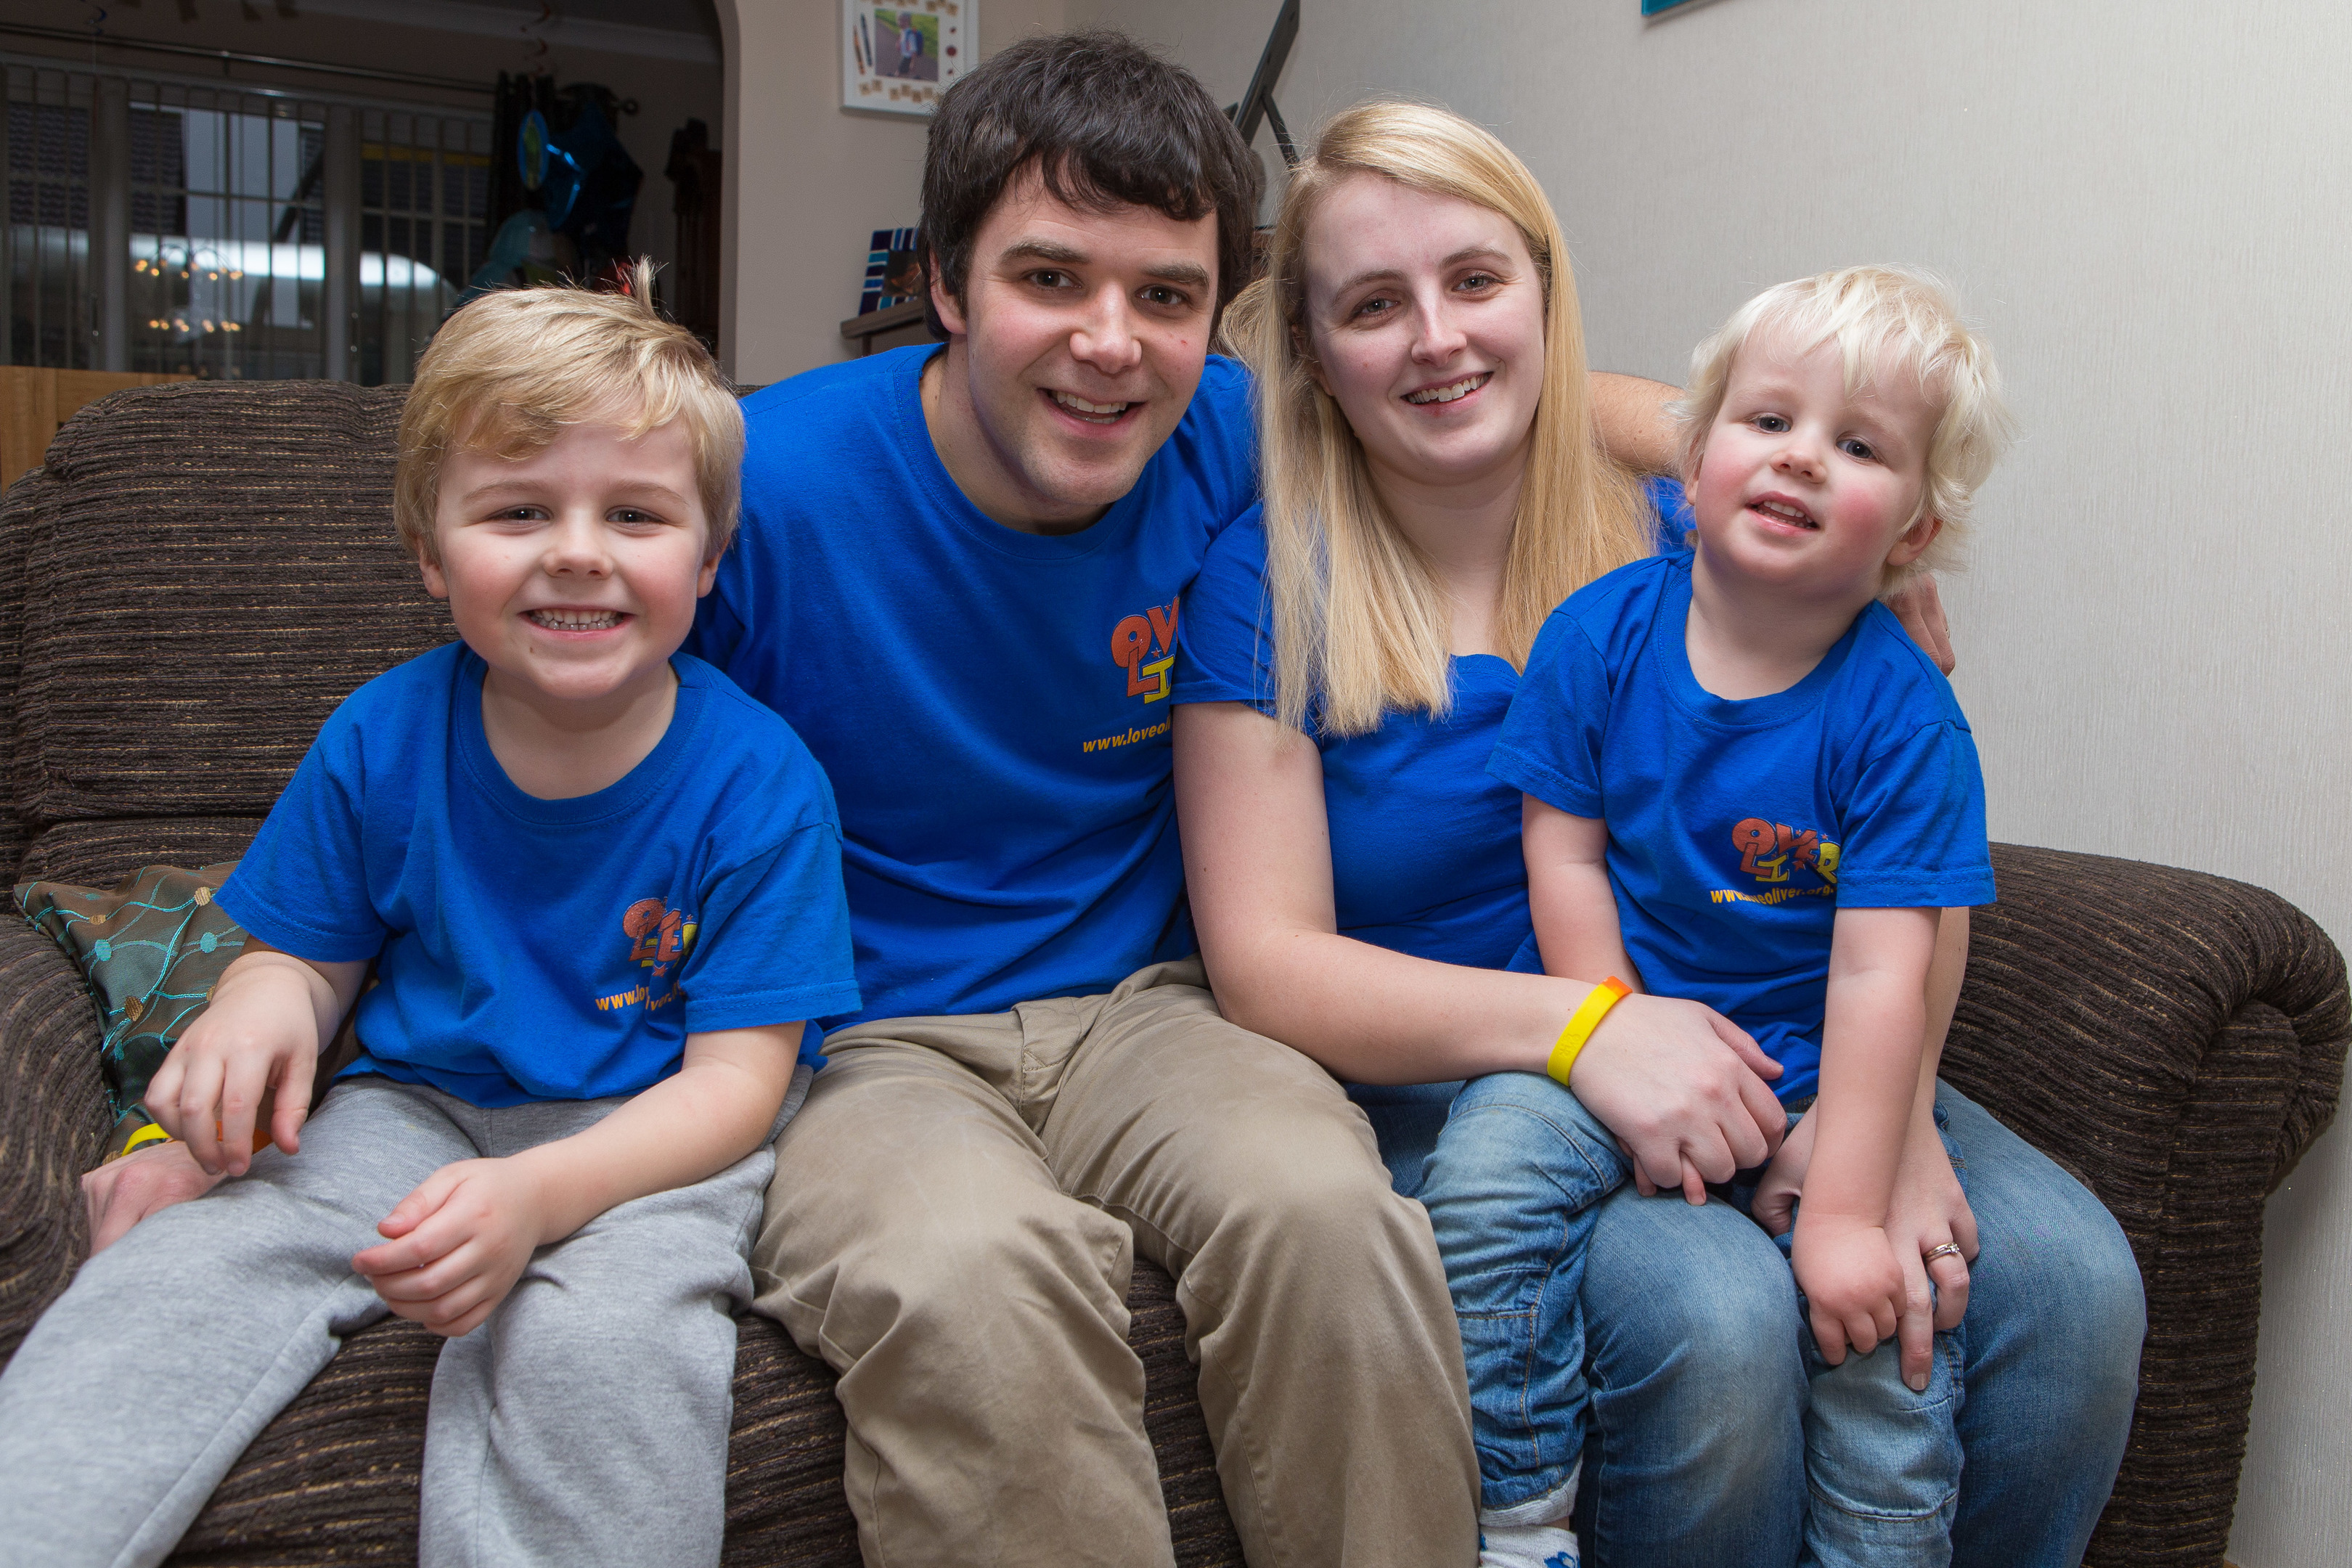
952,1224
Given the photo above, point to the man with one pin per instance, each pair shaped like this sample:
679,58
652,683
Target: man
959,576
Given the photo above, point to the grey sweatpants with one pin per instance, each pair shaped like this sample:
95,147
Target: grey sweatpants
585,1422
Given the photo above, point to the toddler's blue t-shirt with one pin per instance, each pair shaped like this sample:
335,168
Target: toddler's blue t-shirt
535,949
1424,844
992,706
1738,828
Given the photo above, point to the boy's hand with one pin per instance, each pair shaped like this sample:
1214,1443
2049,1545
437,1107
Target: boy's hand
1775,1207
1852,1280
457,1244
259,1038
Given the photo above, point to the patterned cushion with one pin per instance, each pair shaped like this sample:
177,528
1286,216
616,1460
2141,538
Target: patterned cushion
151,947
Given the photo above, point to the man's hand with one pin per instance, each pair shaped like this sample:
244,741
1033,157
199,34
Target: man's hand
1921,610
1682,1088
1928,1210
1852,1280
457,1244
121,1193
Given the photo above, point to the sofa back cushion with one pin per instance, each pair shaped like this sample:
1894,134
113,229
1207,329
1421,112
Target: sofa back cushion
207,571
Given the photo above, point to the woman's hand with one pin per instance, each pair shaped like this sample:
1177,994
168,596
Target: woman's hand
457,1244
1927,1211
1682,1088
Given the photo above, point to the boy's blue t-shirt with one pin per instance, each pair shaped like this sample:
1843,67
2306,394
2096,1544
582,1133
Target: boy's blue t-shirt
1424,844
533,949
1737,828
992,706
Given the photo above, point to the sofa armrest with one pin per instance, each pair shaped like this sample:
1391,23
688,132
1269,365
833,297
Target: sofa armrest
2177,1040
2103,997
54,1118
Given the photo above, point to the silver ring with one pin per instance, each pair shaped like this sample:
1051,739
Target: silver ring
1949,1249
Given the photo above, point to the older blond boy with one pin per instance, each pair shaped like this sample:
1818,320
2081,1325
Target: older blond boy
601,888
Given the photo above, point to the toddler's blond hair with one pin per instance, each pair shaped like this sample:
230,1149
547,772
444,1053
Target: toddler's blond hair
1885,321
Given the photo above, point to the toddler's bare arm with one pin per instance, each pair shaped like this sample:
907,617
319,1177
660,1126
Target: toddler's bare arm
1871,1040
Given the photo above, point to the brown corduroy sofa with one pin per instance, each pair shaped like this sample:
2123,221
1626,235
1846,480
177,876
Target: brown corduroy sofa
199,572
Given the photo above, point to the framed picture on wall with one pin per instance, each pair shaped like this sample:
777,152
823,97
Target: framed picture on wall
898,56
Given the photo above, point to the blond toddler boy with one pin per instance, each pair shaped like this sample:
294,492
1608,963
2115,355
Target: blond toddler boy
600,888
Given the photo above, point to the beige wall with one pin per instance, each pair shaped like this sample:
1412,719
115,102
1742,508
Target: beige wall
2145,202
819,178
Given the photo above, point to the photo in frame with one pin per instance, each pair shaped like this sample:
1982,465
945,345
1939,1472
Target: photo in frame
898,56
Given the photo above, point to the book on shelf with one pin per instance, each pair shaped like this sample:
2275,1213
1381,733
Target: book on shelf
894,271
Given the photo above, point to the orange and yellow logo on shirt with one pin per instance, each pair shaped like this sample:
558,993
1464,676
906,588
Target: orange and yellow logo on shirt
1769,851
1136,637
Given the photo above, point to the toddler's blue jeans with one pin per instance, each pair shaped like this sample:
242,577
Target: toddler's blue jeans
1659,1365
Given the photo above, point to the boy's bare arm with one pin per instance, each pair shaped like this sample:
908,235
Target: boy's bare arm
271,1015
1569,896
1873,1037
1635,429
458,1243
1575,914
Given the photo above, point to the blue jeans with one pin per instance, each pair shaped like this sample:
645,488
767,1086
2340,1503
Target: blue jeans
1694,1446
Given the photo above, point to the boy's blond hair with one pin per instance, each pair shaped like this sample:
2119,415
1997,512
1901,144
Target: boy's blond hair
508,372
1885,321
1361,623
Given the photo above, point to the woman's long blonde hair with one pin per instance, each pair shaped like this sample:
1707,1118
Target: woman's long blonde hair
1361,625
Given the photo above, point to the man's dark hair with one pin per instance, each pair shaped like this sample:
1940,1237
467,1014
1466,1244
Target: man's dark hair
1106,123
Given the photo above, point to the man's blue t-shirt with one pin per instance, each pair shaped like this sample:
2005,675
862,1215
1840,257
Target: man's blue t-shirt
533,949
1424,844
992,706
1737,828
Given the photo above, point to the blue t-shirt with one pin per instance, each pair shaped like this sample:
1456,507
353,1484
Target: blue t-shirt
991,705
1424,844
1737,828
535,949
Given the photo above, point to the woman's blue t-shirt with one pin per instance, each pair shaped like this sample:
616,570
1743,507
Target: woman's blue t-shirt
1425,854
1424,843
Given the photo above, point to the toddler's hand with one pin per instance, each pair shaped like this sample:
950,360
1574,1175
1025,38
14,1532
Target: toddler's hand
1775,1207
1852,1280
457,1244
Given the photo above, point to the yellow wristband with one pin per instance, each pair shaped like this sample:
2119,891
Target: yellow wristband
151,1133
1581,1024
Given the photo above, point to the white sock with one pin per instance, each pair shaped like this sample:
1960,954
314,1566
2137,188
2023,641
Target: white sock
1532,1534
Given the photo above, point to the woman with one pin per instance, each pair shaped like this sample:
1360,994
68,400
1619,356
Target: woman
1432,491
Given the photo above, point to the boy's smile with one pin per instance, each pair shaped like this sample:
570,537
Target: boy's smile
574,571
1809,486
